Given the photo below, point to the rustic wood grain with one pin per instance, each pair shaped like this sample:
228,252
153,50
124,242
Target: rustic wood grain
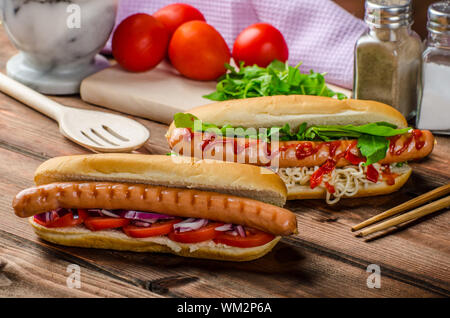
29,270
324,259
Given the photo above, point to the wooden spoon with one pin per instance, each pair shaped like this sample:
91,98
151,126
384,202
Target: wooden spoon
97,131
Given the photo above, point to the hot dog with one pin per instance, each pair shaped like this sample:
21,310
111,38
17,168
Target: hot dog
327,142
289,152
158,203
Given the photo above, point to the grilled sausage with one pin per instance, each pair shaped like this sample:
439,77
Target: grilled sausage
294,153
172,201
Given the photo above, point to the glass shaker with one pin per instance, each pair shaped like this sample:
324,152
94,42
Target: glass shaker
434,111
388,57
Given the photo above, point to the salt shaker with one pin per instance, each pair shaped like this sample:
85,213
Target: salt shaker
434,110
388,57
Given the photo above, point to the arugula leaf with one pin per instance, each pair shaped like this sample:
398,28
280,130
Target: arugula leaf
374,148
183,120
328,132
186,120
301,131
277,78
376,129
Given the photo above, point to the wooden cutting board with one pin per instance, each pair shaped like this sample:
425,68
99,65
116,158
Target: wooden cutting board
157,94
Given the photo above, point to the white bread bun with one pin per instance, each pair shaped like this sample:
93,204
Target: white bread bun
116,240
272,111
372,189
172,171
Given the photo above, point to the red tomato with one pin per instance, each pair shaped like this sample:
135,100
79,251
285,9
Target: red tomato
198,51
253,238
205,233
260,44
140,42
156,229
65,221
174,15
101,223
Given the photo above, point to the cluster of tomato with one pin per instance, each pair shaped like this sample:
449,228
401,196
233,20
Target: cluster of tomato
195,48
95,223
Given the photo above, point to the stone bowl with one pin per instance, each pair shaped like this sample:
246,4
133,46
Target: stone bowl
58,40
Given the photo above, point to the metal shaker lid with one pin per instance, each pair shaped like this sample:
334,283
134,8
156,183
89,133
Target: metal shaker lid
390,14
439,18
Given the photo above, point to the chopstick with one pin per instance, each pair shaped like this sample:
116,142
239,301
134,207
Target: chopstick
414,214
431,195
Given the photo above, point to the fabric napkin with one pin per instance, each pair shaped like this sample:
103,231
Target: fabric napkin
319,33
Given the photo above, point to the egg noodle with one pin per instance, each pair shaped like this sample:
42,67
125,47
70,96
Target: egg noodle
346,180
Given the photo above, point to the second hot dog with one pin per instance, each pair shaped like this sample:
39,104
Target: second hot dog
407,147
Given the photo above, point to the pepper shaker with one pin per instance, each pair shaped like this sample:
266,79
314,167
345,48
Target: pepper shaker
388,57
434,111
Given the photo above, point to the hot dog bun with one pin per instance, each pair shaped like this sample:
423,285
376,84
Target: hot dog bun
182,172
116,240
273,111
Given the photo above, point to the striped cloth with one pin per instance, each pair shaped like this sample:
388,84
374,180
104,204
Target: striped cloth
319,33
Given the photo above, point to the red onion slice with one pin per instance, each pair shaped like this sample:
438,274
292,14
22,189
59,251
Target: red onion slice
144,216
240,230
190,224
110,213
142,224
94,210
51,215
43,217
225,227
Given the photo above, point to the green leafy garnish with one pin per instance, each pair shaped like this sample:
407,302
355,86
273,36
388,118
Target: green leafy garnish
185,120
372,138
374,148
277,78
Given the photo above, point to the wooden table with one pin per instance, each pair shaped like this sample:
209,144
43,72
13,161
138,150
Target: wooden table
323,260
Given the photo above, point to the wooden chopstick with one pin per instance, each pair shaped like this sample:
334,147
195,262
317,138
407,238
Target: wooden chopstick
431,195
414,214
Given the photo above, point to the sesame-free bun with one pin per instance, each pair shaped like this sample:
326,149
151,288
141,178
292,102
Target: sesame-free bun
274,111
116,240
172,171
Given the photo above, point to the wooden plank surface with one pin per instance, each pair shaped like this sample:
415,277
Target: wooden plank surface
157,94
324,259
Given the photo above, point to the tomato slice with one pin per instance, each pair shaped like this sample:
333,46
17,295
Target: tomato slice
102,223
65,220
205,233
156,229
254,238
